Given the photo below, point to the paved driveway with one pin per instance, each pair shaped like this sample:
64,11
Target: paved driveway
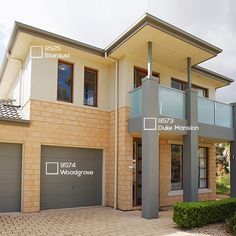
87,221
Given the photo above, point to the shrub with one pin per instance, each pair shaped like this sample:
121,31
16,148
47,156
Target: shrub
231,224
196,214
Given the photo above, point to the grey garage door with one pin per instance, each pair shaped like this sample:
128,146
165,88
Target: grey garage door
70,177
10,177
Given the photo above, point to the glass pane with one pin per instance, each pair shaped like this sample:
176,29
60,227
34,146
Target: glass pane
90,88
206,109
64,81
202,183
136,103
167,106
202,163
202,173
224,115
202,152
176,84
176,166
176,184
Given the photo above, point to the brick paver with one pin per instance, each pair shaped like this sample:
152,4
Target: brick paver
87,221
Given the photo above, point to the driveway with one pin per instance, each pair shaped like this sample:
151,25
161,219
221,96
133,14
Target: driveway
87,221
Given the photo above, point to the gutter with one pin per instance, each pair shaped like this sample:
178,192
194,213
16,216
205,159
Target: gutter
116,127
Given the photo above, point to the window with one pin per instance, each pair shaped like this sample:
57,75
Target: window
139,74
65,81
202,171
177,167
181,85
90,87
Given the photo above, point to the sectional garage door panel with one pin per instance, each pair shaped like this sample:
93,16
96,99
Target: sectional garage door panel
70,177
10,177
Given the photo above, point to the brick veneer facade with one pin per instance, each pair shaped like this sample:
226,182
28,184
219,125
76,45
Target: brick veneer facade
59,124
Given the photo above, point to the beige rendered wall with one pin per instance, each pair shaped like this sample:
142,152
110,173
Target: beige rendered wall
44,80
126,77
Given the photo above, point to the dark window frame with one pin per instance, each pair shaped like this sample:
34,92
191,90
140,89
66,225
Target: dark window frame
181,167
136,84
206,90
72,80
207,167
96,86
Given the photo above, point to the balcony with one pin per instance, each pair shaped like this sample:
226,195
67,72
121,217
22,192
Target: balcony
172,103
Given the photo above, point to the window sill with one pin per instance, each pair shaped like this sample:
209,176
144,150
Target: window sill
180,192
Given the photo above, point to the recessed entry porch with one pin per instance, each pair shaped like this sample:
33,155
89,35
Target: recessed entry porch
171,167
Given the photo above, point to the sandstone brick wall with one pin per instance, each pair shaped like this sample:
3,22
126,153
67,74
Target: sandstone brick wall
125,159
68,125
59,125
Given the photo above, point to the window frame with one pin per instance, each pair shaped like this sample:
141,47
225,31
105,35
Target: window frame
72,80
181,167
156,74
206,90
96,86
207,167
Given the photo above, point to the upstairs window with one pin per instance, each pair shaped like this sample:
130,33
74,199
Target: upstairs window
181,85
65,81
90,87
139,74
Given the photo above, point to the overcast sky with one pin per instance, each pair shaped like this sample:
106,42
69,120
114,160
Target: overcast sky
98,22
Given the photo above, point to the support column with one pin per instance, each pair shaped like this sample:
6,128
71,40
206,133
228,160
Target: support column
150,144
190,147
233,157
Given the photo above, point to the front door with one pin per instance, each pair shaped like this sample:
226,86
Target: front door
137,171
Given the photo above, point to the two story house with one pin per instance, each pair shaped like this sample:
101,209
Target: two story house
131,126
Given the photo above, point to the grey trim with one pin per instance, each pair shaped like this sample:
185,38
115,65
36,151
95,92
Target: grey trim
217,132
150,151
233,158
212,74
190,150
205,130
159,24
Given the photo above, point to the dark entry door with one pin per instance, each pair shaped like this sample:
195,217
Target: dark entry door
137,171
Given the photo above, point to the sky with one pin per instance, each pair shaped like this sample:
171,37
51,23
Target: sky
99,22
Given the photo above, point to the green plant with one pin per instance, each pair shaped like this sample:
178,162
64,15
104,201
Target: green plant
197,214
231,224
223,184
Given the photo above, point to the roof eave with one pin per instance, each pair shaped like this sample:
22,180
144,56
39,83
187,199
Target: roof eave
157,23
212,74
20,27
